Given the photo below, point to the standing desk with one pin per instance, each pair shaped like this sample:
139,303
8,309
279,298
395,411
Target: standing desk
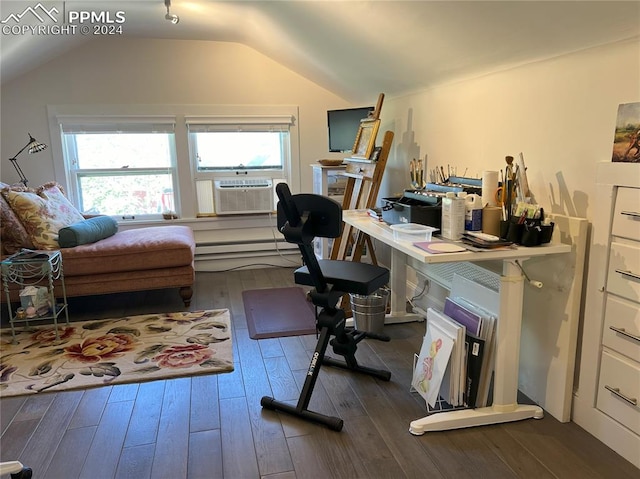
505,407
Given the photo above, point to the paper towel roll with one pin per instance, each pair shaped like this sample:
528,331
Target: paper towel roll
489,187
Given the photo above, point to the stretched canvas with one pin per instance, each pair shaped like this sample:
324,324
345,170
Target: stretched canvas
626,141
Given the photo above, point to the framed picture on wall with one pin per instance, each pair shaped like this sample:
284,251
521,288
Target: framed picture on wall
365,139
626,140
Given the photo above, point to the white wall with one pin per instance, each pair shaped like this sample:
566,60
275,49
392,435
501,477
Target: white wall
559,113
119,71
170,72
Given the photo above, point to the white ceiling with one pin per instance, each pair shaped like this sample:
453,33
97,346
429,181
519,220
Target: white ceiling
355,49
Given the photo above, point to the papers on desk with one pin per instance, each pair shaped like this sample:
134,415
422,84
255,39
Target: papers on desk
435,247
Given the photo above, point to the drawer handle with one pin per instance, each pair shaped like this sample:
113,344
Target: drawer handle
628,273
616,391
625,333
630,213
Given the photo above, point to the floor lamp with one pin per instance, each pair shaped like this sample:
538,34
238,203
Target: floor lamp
34,146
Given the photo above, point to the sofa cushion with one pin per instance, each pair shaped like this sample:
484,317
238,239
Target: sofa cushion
87,231
43,213
154,247
13,235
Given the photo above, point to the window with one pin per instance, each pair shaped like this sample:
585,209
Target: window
232,150
257,148
121,168
242,144
137,161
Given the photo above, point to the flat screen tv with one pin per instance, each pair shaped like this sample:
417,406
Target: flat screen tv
343,127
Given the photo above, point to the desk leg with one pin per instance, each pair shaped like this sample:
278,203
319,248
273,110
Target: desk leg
505,386
398,284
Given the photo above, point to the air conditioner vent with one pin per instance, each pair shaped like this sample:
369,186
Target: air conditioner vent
244,183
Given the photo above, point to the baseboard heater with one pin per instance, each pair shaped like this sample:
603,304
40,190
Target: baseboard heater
243,196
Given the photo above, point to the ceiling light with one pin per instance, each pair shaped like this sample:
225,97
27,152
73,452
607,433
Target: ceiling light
169,16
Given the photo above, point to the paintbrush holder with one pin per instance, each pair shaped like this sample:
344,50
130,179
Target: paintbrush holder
529,233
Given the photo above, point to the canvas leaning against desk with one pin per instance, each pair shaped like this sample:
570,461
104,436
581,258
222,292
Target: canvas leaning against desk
505,407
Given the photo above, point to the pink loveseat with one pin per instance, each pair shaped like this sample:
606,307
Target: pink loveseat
141,259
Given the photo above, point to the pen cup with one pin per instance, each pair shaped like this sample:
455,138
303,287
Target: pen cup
511,230
491,220
531,235
504,228
546,233
515,232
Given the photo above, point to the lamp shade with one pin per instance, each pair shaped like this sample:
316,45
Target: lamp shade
35,146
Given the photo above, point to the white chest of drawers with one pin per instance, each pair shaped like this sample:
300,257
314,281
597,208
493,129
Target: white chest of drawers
607,399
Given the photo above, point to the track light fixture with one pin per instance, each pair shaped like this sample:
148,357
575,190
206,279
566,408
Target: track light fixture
170,16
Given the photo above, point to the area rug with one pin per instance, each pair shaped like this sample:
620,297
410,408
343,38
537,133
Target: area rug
115,351
278,312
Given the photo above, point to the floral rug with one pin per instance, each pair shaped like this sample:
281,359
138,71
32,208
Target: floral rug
114,351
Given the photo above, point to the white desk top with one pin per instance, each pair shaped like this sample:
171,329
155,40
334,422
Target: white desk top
382,232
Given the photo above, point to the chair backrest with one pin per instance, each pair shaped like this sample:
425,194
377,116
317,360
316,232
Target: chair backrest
303,217
322,216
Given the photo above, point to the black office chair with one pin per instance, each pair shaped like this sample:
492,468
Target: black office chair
301,218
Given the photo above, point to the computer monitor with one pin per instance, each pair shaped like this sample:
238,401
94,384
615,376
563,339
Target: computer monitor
343,127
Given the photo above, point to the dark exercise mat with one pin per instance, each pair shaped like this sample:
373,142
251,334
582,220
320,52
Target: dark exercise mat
278,312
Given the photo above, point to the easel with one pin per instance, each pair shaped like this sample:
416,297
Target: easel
361,192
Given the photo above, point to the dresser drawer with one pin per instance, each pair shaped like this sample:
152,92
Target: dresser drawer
626,215
622,327
619,390
624,270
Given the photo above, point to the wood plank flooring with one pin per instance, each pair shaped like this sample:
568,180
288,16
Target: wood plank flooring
213,426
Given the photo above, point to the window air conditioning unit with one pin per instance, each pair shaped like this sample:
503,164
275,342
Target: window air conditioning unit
243,196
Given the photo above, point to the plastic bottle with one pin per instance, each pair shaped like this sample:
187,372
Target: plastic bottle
453,211
473,213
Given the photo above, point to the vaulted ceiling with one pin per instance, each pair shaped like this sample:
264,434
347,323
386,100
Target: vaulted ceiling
355,49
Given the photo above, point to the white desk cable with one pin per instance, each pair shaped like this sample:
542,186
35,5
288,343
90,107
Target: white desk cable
537,284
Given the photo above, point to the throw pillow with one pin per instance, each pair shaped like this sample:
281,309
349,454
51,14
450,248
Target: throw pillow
87,231
43,213
13,235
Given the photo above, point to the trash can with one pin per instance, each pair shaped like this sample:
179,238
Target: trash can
369,310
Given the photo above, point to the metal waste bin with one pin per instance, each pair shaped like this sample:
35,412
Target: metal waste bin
369,310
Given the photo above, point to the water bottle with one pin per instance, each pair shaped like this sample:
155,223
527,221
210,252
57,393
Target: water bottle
473,213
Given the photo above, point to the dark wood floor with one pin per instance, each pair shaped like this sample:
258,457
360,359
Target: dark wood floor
213,426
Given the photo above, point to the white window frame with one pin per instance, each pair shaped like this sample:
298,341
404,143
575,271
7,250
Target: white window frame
204,123
185,196
116,124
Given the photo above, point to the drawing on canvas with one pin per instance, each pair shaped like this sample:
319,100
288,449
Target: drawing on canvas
626,142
